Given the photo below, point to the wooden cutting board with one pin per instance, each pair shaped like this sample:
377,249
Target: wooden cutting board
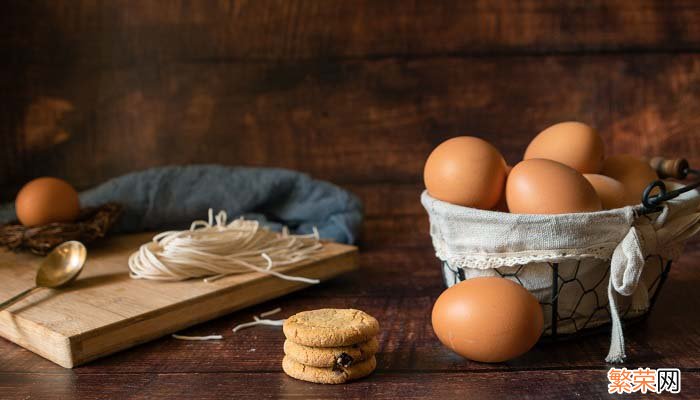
105,311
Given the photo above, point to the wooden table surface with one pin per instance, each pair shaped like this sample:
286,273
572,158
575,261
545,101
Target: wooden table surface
398,285
357,93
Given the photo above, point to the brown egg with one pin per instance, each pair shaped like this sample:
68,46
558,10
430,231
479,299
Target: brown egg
502,206
467,171
46,200
489,319
610,191
633,172
572,143
547,187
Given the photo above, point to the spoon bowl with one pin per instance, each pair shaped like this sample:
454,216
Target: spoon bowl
59,268
62,265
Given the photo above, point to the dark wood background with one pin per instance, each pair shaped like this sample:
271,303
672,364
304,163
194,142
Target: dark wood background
355,92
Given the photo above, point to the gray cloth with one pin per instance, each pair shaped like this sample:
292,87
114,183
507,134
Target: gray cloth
172,197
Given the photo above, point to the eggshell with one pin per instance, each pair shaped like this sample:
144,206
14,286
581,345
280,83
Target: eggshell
610,191
46,200
466,171
502,206
571,143
488,319
633,172
547,187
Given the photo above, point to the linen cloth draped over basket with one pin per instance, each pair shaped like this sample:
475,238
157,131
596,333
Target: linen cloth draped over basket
611,258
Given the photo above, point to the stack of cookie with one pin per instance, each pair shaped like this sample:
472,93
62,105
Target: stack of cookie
330,345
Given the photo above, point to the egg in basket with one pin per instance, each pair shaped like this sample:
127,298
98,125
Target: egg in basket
591,237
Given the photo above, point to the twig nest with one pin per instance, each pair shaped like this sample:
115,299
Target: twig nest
91,224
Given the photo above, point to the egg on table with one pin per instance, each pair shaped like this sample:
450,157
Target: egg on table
571,143
466,171
488,319
46,200
540,186
633,172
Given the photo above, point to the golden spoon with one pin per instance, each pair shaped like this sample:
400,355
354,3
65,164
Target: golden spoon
57,269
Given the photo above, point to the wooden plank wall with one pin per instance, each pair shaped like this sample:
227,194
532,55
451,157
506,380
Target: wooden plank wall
355,92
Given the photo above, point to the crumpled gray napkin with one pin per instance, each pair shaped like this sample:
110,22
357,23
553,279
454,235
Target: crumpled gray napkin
172,197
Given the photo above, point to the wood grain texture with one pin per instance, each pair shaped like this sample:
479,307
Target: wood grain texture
344,91
356,92
133,32
105,311
399,286
348,122
587,384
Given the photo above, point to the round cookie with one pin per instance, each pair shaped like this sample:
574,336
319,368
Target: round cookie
344,356
328,375
330,327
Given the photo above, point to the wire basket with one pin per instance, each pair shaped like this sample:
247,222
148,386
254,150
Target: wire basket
574,294
573,284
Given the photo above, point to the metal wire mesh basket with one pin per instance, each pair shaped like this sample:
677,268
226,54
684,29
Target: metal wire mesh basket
575,286
574,293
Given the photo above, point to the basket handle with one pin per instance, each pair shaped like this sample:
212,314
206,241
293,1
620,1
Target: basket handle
667,168
670,168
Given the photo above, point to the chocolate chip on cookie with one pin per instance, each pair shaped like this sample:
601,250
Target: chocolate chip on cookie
330,345
328,375
330,356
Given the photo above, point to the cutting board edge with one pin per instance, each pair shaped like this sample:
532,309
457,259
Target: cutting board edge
29,335
343,262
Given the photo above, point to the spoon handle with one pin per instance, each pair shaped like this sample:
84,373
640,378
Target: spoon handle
16,298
